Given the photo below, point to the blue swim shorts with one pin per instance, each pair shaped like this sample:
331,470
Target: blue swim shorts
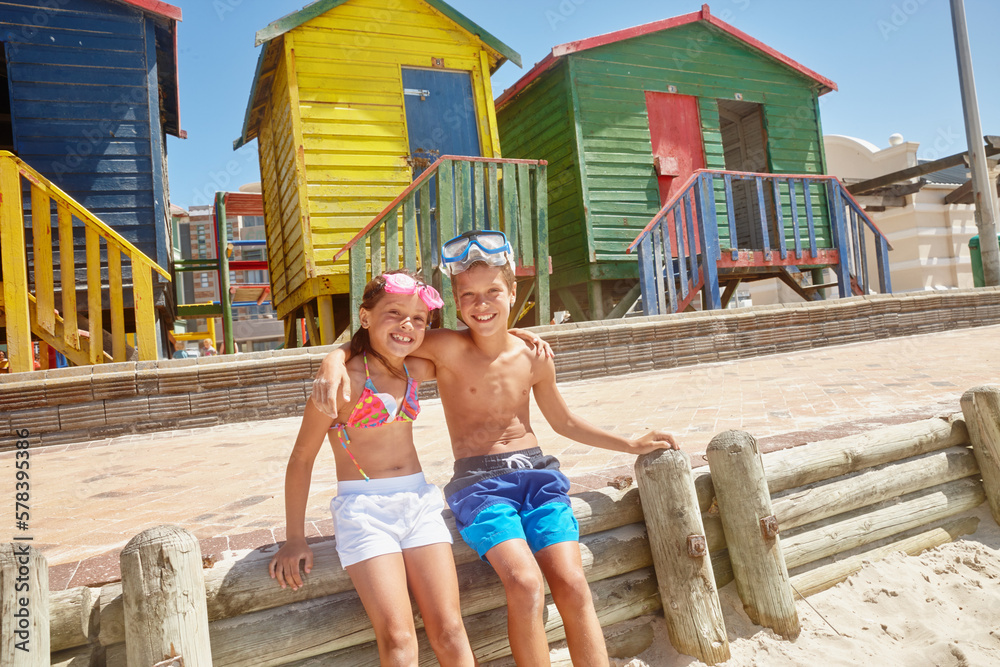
517,495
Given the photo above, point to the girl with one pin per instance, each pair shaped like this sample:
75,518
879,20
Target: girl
387,519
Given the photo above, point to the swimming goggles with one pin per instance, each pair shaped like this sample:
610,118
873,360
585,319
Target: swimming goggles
488,246
400,283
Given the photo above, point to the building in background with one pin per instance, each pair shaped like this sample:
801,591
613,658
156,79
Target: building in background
255,328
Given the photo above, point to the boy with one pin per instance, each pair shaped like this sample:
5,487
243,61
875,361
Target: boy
509,500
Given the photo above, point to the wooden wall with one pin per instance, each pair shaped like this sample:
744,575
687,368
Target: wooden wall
80,105
541,125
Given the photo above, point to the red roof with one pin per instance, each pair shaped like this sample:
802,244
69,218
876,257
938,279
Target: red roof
156,7
628,33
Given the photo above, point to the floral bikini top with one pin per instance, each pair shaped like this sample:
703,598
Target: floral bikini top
376,408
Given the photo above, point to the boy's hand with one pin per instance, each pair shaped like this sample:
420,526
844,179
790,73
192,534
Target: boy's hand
284,565
653,441
332,382
542,348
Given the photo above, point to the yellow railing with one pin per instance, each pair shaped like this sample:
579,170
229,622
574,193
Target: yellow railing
26,313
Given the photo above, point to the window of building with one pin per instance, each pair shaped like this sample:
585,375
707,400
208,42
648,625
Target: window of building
6,120
204,280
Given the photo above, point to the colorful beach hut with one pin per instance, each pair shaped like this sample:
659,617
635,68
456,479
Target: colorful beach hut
350,102
88,93
626,119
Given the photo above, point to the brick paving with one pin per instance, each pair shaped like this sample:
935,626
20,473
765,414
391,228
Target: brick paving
225,483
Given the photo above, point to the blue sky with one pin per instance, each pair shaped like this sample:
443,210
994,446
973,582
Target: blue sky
893,61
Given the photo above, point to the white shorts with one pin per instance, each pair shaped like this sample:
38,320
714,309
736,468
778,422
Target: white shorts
384,516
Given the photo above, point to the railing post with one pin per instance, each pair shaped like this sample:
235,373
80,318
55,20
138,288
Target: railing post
358,280
710,251
24,606
647,281
15,268
665,303
839,232
225,298
885,281
540,205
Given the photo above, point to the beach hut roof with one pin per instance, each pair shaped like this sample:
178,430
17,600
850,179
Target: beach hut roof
269,57
703,15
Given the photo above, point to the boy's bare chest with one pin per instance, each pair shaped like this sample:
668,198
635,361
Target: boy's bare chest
502,384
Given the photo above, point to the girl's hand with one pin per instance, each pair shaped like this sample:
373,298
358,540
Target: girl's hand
332,385
653,441
284,565
541,348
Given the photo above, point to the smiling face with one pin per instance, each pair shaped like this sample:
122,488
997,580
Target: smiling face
483,298
396,324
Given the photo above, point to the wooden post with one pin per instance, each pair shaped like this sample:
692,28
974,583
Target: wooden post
680,556
752,532
163,590
981,407
24,606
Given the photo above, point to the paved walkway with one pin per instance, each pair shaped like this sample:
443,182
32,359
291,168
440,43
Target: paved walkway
90,498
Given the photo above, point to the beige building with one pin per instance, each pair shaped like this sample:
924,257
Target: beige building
930,238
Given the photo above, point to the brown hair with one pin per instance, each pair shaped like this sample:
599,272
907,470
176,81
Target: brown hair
361,342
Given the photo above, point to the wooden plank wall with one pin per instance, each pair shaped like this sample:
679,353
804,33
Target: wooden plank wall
80,108
540,126
282,212
700,61
348,65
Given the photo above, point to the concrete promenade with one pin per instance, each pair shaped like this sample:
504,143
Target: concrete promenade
226,482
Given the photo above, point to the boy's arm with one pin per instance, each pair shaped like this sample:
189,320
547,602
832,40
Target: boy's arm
567,424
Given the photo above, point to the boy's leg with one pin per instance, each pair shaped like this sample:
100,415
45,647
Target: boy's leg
525,590
430,571
381,584
563,571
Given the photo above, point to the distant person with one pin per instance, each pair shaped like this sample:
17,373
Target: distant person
391,536
207,349
4,363
180,351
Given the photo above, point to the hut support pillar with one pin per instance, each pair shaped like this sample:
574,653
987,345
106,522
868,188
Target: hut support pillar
327,330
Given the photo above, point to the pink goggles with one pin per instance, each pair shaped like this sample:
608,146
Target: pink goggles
400,283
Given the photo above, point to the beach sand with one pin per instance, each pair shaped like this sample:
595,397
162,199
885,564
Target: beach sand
941,607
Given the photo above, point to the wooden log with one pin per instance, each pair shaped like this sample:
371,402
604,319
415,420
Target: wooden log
683,567
24,606
312,627
163,590
237,587
817,461
873,485
78,656
755,549
981,407
821,500
826,576
617,599
848,531
72,617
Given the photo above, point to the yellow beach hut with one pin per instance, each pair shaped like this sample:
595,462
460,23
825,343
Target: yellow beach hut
351,101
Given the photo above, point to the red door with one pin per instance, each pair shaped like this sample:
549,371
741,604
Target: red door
675,133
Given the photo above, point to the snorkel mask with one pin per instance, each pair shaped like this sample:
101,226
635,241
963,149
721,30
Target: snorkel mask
488,246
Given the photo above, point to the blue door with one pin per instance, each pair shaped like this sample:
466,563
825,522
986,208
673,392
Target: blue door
440,120
440,115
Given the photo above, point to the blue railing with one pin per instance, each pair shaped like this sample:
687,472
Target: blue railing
680,252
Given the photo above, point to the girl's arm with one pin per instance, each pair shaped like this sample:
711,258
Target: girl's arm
567,424
284,566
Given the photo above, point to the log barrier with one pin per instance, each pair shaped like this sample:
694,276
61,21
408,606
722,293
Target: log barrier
835,505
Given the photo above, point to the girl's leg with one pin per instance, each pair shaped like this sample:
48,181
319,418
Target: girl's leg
430,571
525,589
563,570
381,584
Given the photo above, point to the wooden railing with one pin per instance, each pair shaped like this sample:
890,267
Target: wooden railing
680,252
28,300
457,194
